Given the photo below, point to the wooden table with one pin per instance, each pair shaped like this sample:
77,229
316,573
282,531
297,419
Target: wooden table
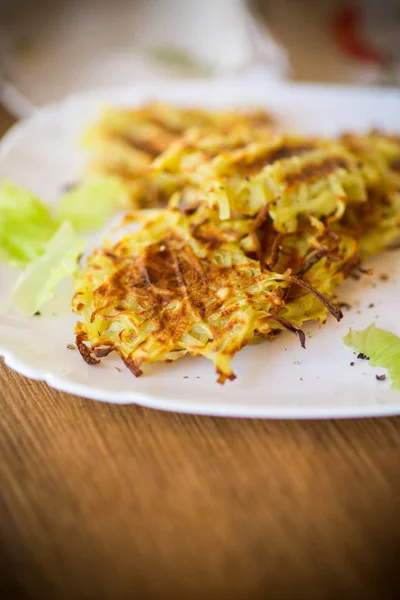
101,501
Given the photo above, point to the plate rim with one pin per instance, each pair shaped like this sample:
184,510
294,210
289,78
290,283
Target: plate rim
182,406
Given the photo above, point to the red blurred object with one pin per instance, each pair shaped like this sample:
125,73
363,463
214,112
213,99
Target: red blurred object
347,24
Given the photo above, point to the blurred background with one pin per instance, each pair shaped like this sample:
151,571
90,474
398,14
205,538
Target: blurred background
52,48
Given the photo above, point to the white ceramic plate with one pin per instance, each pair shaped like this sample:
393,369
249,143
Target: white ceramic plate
274,380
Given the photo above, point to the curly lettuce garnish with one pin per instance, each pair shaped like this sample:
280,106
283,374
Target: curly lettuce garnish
26,225
46,245
92,203
37,283
381,347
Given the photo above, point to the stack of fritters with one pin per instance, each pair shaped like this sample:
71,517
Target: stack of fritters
256,238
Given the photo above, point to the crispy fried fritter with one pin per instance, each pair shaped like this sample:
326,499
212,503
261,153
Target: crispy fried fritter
185,284
125,142
377,222
300,179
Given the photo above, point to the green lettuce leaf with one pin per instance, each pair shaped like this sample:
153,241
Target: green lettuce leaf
37,283
381,347
26,225
91,204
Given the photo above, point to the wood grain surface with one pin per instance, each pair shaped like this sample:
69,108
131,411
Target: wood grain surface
121,502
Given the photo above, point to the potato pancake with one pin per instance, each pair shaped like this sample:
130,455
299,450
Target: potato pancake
124,142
